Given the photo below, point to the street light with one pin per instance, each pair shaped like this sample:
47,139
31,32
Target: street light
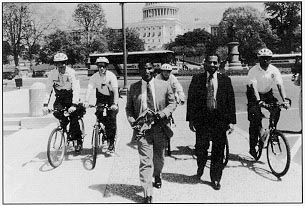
124,49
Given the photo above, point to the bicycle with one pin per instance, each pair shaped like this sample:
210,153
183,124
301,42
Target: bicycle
98,129
278,149
60,138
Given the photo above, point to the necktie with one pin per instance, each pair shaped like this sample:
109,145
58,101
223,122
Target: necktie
210,94
150,100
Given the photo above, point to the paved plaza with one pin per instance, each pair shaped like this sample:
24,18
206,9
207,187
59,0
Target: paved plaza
28,177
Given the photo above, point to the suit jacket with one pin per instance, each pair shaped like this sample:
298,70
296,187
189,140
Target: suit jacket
197,97
164,98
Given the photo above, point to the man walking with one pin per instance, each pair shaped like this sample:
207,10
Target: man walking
211,112
156,95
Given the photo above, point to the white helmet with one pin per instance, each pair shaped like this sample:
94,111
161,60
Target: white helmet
166,67
264,53
102,59
60,57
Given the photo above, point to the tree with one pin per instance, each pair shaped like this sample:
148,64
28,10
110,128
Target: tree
91,18
191,44
34,33
15,19
286,22
249,27
6,51
115,40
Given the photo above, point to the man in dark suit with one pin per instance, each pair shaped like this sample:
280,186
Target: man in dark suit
211,112
157,95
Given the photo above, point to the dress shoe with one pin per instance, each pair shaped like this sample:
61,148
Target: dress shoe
158,182
148,199
216,185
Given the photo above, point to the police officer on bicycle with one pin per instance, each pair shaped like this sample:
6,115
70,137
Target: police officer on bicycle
63,81
259,91
106,85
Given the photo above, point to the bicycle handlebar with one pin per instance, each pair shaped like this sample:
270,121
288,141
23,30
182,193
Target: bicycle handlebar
64,110
100,105
275,105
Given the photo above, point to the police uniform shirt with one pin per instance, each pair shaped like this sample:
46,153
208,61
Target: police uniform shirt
66,81
144,94
97,81
264,80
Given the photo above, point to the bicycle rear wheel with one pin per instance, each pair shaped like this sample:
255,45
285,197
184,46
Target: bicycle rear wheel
56,147
226,154
278,154
95,145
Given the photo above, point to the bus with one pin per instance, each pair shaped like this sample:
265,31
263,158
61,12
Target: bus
116,61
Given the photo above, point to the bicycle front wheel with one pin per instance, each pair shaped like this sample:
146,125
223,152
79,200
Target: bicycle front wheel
95,145
278,154
56,147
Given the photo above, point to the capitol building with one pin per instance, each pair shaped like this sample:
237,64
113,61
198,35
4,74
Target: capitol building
161,25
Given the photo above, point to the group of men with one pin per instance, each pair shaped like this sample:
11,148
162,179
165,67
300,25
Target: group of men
210,109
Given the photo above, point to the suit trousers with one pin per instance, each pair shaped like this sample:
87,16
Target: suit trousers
151,150
205,134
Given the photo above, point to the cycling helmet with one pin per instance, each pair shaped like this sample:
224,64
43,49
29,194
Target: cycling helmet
102,60
60,57
166,67
264,53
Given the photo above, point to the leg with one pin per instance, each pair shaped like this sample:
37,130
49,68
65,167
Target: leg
111,127
201,149
145,149
218,146
254,116
59,115
75,129
159,144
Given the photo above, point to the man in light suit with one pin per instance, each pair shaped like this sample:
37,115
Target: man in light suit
211,112
151,147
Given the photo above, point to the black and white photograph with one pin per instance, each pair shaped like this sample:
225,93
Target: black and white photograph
165,102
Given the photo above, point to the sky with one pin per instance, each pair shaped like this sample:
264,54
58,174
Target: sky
210,13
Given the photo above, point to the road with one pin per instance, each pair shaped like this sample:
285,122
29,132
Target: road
28,178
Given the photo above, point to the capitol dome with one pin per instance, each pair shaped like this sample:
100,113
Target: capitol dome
156,11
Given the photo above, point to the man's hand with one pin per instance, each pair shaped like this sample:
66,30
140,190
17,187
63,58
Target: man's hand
114,107
286,103
71,109
191,126
231,128
161,115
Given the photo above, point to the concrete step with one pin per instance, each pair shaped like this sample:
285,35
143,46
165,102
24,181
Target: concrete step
8,130
11,121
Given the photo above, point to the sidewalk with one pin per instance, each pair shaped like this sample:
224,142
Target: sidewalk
28,178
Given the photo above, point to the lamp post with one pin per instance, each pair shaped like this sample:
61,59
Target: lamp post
124,49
